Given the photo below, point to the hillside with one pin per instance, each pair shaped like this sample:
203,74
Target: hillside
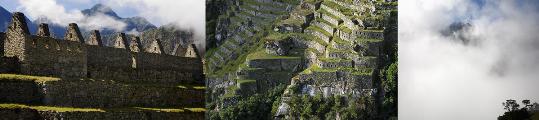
314,59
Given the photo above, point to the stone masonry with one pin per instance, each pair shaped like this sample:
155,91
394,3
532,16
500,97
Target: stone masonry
74,57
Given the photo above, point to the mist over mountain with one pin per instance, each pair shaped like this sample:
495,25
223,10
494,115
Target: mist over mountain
133,24
169,34
136,23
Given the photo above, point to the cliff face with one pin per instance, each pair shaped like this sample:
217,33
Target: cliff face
303,59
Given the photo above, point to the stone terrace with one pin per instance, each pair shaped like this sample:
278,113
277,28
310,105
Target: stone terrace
87,80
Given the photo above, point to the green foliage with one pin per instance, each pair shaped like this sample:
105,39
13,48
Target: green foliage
319,108
514,112
258,106
389,85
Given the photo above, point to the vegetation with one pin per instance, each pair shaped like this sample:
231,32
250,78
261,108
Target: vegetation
258,106
514,112
316,107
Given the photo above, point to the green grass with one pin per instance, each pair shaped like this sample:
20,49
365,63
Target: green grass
317,68
261,54
231,91
252,2
196,87
368,40
334,5
276,36
340,41
27,78
334,60
345,29
324,11
50,108
196,109
241,81
363,72
326,22
291,21
162,109
316,28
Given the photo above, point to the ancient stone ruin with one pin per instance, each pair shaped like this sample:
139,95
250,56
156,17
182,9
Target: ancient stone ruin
88,74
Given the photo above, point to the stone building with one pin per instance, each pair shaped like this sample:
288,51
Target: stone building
74,57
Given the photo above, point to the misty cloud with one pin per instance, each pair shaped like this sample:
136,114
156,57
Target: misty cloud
57,14
444,79
185,14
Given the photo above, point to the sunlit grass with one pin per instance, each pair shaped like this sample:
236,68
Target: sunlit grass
27,78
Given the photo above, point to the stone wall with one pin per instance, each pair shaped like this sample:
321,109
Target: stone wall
16,35
2,39
46,56
370,35
98,93
334,83
167,68
19,114
19,92
75,58
109,63
32,114
9,65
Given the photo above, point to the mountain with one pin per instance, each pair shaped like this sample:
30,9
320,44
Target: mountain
100,8
56,30
168,34
5,19
137,23
277,61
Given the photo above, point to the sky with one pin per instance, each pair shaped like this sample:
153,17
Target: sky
186,14
444,79
11,5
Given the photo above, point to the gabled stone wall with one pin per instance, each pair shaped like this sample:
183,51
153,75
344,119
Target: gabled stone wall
73,57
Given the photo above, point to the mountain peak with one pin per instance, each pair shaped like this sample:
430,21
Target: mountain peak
100,9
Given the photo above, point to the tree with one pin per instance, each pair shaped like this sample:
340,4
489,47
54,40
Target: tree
514,112
510,105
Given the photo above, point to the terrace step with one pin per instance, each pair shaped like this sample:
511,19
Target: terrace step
335,63
21,111
99,93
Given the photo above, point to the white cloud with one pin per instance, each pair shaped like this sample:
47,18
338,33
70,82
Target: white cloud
444,79
58,14
185,14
